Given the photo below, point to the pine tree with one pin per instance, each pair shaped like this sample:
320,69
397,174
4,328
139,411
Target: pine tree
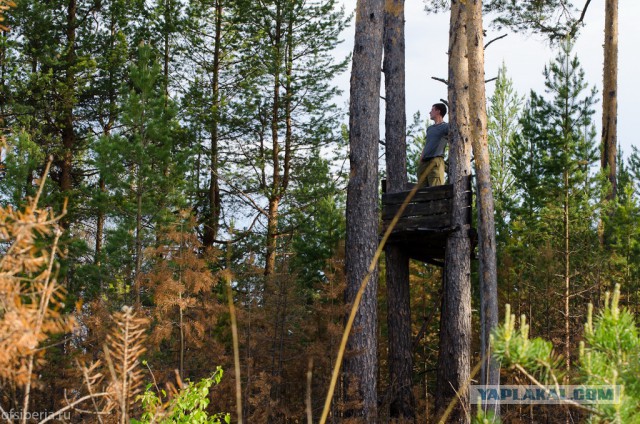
487,270
286,111
554,182
111,50
209,50
609,141
503,124
142,165
316,220
622,218
454,354
402,403
283,120
360,367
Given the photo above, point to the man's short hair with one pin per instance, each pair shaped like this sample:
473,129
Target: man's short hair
442,108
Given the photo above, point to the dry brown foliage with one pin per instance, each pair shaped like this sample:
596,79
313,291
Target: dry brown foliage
30,297
112,383
31,303
185,292
125,345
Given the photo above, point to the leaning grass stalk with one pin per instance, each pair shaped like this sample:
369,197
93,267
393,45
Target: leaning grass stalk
234,334
363,286
463,389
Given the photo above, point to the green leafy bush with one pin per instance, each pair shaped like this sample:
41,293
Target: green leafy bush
189,406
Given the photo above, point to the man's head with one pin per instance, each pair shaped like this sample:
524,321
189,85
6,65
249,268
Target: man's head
438,110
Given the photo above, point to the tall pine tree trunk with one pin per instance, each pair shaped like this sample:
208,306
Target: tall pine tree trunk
402,403
213,211
486,225
610,95
455,321
274,195
283,54
360,365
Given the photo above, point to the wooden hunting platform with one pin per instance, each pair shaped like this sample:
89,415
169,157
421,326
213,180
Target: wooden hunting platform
426,222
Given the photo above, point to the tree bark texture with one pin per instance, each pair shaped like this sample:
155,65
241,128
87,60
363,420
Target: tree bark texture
455,321
402,400
360,365
610,95
486,225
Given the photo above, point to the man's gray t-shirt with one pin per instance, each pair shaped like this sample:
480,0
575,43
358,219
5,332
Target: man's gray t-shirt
437,137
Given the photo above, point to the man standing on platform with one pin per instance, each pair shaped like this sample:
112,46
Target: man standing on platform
433,153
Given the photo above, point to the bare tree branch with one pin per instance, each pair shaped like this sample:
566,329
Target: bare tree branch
495,39
442,80
574,27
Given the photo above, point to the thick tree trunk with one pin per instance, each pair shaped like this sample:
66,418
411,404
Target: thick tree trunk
486,225
213,211
402,404
455,321
361,363
610,95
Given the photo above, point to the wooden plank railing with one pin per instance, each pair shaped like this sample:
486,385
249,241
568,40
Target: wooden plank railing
425,223
429,208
